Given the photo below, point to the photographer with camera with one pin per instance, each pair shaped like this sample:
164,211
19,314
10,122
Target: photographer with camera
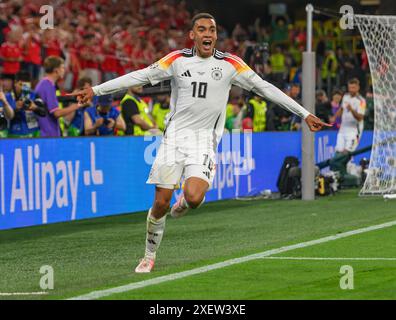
103,119
54,68
26,108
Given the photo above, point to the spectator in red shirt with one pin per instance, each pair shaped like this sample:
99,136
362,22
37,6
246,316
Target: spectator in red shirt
129,43
182,15
142,54
364,58
51,44
11,54
32,53
110,63
74,67
90,58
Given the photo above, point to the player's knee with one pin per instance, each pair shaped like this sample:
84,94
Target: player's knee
162,204
193,199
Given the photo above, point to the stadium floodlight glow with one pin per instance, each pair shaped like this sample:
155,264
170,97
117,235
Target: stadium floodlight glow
379,37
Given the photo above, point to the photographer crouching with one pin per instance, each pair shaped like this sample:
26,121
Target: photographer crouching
103,120
22,108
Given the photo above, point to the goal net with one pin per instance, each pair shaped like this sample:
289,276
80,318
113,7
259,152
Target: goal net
379,37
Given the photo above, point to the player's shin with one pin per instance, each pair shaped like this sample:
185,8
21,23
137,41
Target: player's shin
155,231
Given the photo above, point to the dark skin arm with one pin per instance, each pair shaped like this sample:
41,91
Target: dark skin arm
315,124
138,120
120,123
83,95
90,128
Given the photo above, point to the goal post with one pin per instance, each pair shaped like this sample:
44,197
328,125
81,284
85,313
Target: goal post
308,99
379,38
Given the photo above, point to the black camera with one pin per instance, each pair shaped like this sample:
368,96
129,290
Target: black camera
25,97
261,53
38,102
26,103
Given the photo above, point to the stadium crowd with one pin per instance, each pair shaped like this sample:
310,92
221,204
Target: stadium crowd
97,40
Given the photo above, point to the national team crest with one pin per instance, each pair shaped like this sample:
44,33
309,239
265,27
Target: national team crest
216,73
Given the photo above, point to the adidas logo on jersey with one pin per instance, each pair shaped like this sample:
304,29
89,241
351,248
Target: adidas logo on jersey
186,74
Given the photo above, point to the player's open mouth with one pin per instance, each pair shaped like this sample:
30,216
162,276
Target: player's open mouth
207,44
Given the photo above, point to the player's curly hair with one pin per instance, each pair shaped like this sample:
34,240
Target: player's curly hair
202,15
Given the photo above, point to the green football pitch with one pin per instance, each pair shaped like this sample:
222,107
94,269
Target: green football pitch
259,249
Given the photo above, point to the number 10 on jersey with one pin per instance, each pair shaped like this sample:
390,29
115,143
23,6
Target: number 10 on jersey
202,88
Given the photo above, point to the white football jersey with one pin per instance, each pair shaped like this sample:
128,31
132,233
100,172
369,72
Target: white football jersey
349,125
200,90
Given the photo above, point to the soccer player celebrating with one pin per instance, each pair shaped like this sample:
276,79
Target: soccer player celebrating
201,79
353,107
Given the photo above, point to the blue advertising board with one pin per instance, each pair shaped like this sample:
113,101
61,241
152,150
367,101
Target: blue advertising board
52,180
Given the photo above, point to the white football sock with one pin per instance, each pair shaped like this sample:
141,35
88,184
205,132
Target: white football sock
155,231
184,203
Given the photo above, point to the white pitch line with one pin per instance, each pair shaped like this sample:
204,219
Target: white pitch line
174,276
329,258
6,294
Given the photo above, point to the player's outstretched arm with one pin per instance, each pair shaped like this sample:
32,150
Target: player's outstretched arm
276,95
159,71
132,79
249,80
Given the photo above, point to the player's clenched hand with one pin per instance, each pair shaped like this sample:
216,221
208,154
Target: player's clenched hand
315,124
83,95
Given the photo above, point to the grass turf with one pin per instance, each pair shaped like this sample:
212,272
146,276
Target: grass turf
294,279
101,253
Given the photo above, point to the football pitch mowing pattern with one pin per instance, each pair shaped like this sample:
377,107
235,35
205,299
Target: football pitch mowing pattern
102,253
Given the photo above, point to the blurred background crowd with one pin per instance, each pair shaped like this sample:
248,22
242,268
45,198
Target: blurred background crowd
98,40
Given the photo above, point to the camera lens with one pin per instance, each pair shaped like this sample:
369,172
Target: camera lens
26,104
